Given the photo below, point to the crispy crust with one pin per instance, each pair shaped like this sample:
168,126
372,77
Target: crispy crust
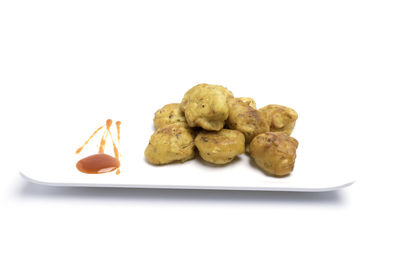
220,147
174,142
274,153
244,118
168,114
282,119
206,106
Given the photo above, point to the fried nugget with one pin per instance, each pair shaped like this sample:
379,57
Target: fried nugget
206,106
248,120
170,143
169,114
282,119
220,147
274,153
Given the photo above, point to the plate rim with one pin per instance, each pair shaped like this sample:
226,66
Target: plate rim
184,187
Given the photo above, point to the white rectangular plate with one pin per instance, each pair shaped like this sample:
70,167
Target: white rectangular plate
49,159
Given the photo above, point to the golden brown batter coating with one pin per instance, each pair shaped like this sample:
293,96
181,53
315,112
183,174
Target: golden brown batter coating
169,114
244,118
274,153
282,119
220,147
174,142
249,101
206,106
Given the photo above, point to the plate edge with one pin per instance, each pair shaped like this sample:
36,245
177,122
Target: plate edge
182,187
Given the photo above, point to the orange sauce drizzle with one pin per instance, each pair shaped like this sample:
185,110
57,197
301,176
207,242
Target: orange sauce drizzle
103,142
101,163
87,141
116,153
118,124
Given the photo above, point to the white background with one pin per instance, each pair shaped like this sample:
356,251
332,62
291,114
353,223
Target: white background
80,60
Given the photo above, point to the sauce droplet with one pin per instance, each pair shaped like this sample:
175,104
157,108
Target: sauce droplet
98,163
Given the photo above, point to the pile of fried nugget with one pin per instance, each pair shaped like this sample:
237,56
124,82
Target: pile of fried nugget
221,127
